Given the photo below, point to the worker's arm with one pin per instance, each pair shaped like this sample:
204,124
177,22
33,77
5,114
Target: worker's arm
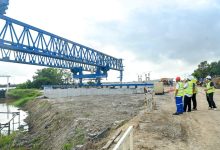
176,92
185,85
177,88
194,87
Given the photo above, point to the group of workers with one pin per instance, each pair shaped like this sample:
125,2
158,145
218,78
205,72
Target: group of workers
185,94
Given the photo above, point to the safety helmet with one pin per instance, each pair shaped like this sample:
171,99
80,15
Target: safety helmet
208,77
189,78
178,79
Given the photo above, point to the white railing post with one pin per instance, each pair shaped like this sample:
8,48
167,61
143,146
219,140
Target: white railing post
131,140
126,141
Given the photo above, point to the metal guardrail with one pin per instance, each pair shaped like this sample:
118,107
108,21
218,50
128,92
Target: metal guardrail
126,141
8,124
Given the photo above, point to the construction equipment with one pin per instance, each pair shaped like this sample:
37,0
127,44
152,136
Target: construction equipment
158,88
26,44
216,81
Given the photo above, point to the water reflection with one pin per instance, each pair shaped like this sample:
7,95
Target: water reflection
6,114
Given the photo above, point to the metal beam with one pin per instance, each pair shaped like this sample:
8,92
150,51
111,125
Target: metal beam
3,6
29,44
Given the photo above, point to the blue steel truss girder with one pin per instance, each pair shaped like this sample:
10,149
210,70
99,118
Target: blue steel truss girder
29,40
3,6
27,58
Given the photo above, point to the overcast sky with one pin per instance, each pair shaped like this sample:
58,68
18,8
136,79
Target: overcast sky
166,37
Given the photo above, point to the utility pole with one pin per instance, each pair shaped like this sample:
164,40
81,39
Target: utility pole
7,76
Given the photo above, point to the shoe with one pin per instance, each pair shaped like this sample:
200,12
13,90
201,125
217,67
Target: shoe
194,109
210,108
189,111
176,113
214,108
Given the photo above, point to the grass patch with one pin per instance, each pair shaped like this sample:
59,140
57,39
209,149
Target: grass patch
78,139
67,146
22,96
6,141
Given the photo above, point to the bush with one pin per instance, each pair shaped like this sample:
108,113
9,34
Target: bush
22,96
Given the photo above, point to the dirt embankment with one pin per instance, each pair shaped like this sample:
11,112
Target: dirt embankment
90,121
85,120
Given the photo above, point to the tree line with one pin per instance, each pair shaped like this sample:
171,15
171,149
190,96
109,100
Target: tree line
47,76
53,76
204,69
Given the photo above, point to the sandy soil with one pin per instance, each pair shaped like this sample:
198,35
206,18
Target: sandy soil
160,130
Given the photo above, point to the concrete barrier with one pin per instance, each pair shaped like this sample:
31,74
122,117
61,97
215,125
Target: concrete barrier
126,141
71,92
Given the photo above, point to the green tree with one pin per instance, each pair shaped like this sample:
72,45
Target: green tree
204,69
215,68
66,76
47,76
27,85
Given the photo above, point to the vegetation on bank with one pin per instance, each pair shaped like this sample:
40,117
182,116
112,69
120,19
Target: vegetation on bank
78,139
28,91
7,142
21,96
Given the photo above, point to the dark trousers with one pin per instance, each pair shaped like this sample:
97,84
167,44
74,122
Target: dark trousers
210,100
194,101
187,103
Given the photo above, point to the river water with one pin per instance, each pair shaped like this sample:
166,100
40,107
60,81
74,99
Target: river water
6,114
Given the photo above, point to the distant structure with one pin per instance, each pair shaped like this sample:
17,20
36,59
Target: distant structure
6,76
139,78
167,81
147,76
144,75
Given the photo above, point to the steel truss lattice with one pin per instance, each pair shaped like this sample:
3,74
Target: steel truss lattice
22,43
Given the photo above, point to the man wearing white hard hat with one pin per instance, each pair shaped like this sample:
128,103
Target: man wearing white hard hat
210,89
189,89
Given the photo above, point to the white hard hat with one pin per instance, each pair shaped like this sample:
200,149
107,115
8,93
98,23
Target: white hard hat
189,77
209,77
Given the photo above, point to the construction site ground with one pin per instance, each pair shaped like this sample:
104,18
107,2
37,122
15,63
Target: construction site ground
88,122
160,130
